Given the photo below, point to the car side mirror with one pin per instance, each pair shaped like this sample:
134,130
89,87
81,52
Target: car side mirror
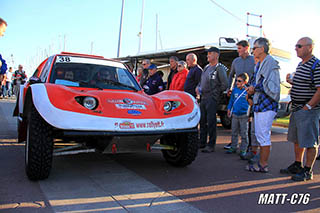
34,80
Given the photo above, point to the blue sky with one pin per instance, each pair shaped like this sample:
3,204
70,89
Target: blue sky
36,28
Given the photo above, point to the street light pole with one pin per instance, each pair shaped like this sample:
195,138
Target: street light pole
120,31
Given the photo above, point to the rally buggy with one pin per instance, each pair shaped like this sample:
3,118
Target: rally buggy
77,103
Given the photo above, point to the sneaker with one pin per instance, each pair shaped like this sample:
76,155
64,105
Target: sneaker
303,176
248,156
292,169
227,146
231,151
242,154
208,149
318,158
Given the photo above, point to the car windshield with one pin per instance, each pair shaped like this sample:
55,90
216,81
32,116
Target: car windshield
92,75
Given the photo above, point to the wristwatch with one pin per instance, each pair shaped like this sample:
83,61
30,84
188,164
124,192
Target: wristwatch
308,106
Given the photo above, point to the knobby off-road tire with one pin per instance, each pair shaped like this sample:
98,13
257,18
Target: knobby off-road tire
39,147
186,148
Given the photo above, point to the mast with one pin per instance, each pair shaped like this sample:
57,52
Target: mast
156,31
120,30
141,28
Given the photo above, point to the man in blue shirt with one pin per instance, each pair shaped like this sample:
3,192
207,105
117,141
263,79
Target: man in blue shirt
154,83
194,75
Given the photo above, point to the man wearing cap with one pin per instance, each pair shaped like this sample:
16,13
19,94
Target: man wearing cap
213,82
154,83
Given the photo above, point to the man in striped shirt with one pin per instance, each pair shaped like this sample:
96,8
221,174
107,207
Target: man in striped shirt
304,120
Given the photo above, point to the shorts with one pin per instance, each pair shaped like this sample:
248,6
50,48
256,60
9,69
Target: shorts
263,123
304,128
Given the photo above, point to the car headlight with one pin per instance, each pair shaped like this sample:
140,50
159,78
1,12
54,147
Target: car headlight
171,105
167,106
175,104
89,103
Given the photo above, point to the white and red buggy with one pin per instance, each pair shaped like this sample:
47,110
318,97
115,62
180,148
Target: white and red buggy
92,103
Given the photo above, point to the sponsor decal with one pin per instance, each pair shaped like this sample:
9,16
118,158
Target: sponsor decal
130,106
192,117
143,125
124,125
134,112
126,101
282,198
150,125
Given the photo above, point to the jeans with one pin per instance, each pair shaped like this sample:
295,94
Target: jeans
16,89
6,89
208,121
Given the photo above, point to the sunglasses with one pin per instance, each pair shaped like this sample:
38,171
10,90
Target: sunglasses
239,81
180,66
254,48
301,45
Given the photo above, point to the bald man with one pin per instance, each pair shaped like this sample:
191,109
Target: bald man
194,75
303,129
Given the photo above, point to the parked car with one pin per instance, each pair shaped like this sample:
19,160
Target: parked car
94,104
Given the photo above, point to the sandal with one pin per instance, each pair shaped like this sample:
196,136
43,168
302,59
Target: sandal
257,168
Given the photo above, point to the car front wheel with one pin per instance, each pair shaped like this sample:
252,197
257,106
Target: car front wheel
185,148
39,147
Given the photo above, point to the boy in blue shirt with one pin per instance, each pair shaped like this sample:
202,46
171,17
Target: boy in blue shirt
238,108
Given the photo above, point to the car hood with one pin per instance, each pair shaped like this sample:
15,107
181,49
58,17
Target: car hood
117,109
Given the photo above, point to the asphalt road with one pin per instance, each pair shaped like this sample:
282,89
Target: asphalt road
144,182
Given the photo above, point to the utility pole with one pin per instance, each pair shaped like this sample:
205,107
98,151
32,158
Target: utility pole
120,31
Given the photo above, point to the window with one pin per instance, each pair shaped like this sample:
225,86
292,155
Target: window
44,74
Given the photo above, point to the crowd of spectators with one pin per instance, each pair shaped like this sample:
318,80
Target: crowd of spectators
253,86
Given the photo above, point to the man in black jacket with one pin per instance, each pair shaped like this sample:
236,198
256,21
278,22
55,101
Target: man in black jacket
173,60
194,75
